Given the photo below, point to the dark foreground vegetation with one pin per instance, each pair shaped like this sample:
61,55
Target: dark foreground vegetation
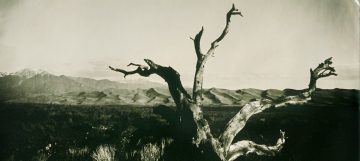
325,129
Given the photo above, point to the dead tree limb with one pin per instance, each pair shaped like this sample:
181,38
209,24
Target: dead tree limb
237,123
322,70
202,58
171,76
141,70
245,147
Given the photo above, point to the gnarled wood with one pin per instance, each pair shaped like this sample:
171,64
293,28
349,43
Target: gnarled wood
245,147
223,146
237,123
171,76
322,70
203,128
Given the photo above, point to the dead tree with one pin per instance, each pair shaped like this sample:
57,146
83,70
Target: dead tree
224,146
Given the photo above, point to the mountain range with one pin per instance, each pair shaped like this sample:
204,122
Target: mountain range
39,86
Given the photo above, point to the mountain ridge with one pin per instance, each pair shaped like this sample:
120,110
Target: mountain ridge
38,86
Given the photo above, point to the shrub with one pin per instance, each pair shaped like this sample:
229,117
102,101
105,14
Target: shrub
153,151
104,153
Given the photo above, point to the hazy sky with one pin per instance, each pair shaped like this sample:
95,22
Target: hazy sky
273,46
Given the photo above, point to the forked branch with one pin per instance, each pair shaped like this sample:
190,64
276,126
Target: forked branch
232,11
202,58
214,44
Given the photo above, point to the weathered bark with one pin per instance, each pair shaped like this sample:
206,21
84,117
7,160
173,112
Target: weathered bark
203,128
223,146
245,147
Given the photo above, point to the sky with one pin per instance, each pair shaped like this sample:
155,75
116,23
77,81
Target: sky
273,46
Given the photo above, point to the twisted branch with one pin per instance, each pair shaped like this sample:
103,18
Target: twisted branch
245,147
237,123
171,76
322,70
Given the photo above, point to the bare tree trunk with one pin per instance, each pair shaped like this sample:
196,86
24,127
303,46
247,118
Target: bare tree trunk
189,108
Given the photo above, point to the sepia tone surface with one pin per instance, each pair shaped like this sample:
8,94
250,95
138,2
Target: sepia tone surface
60,101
